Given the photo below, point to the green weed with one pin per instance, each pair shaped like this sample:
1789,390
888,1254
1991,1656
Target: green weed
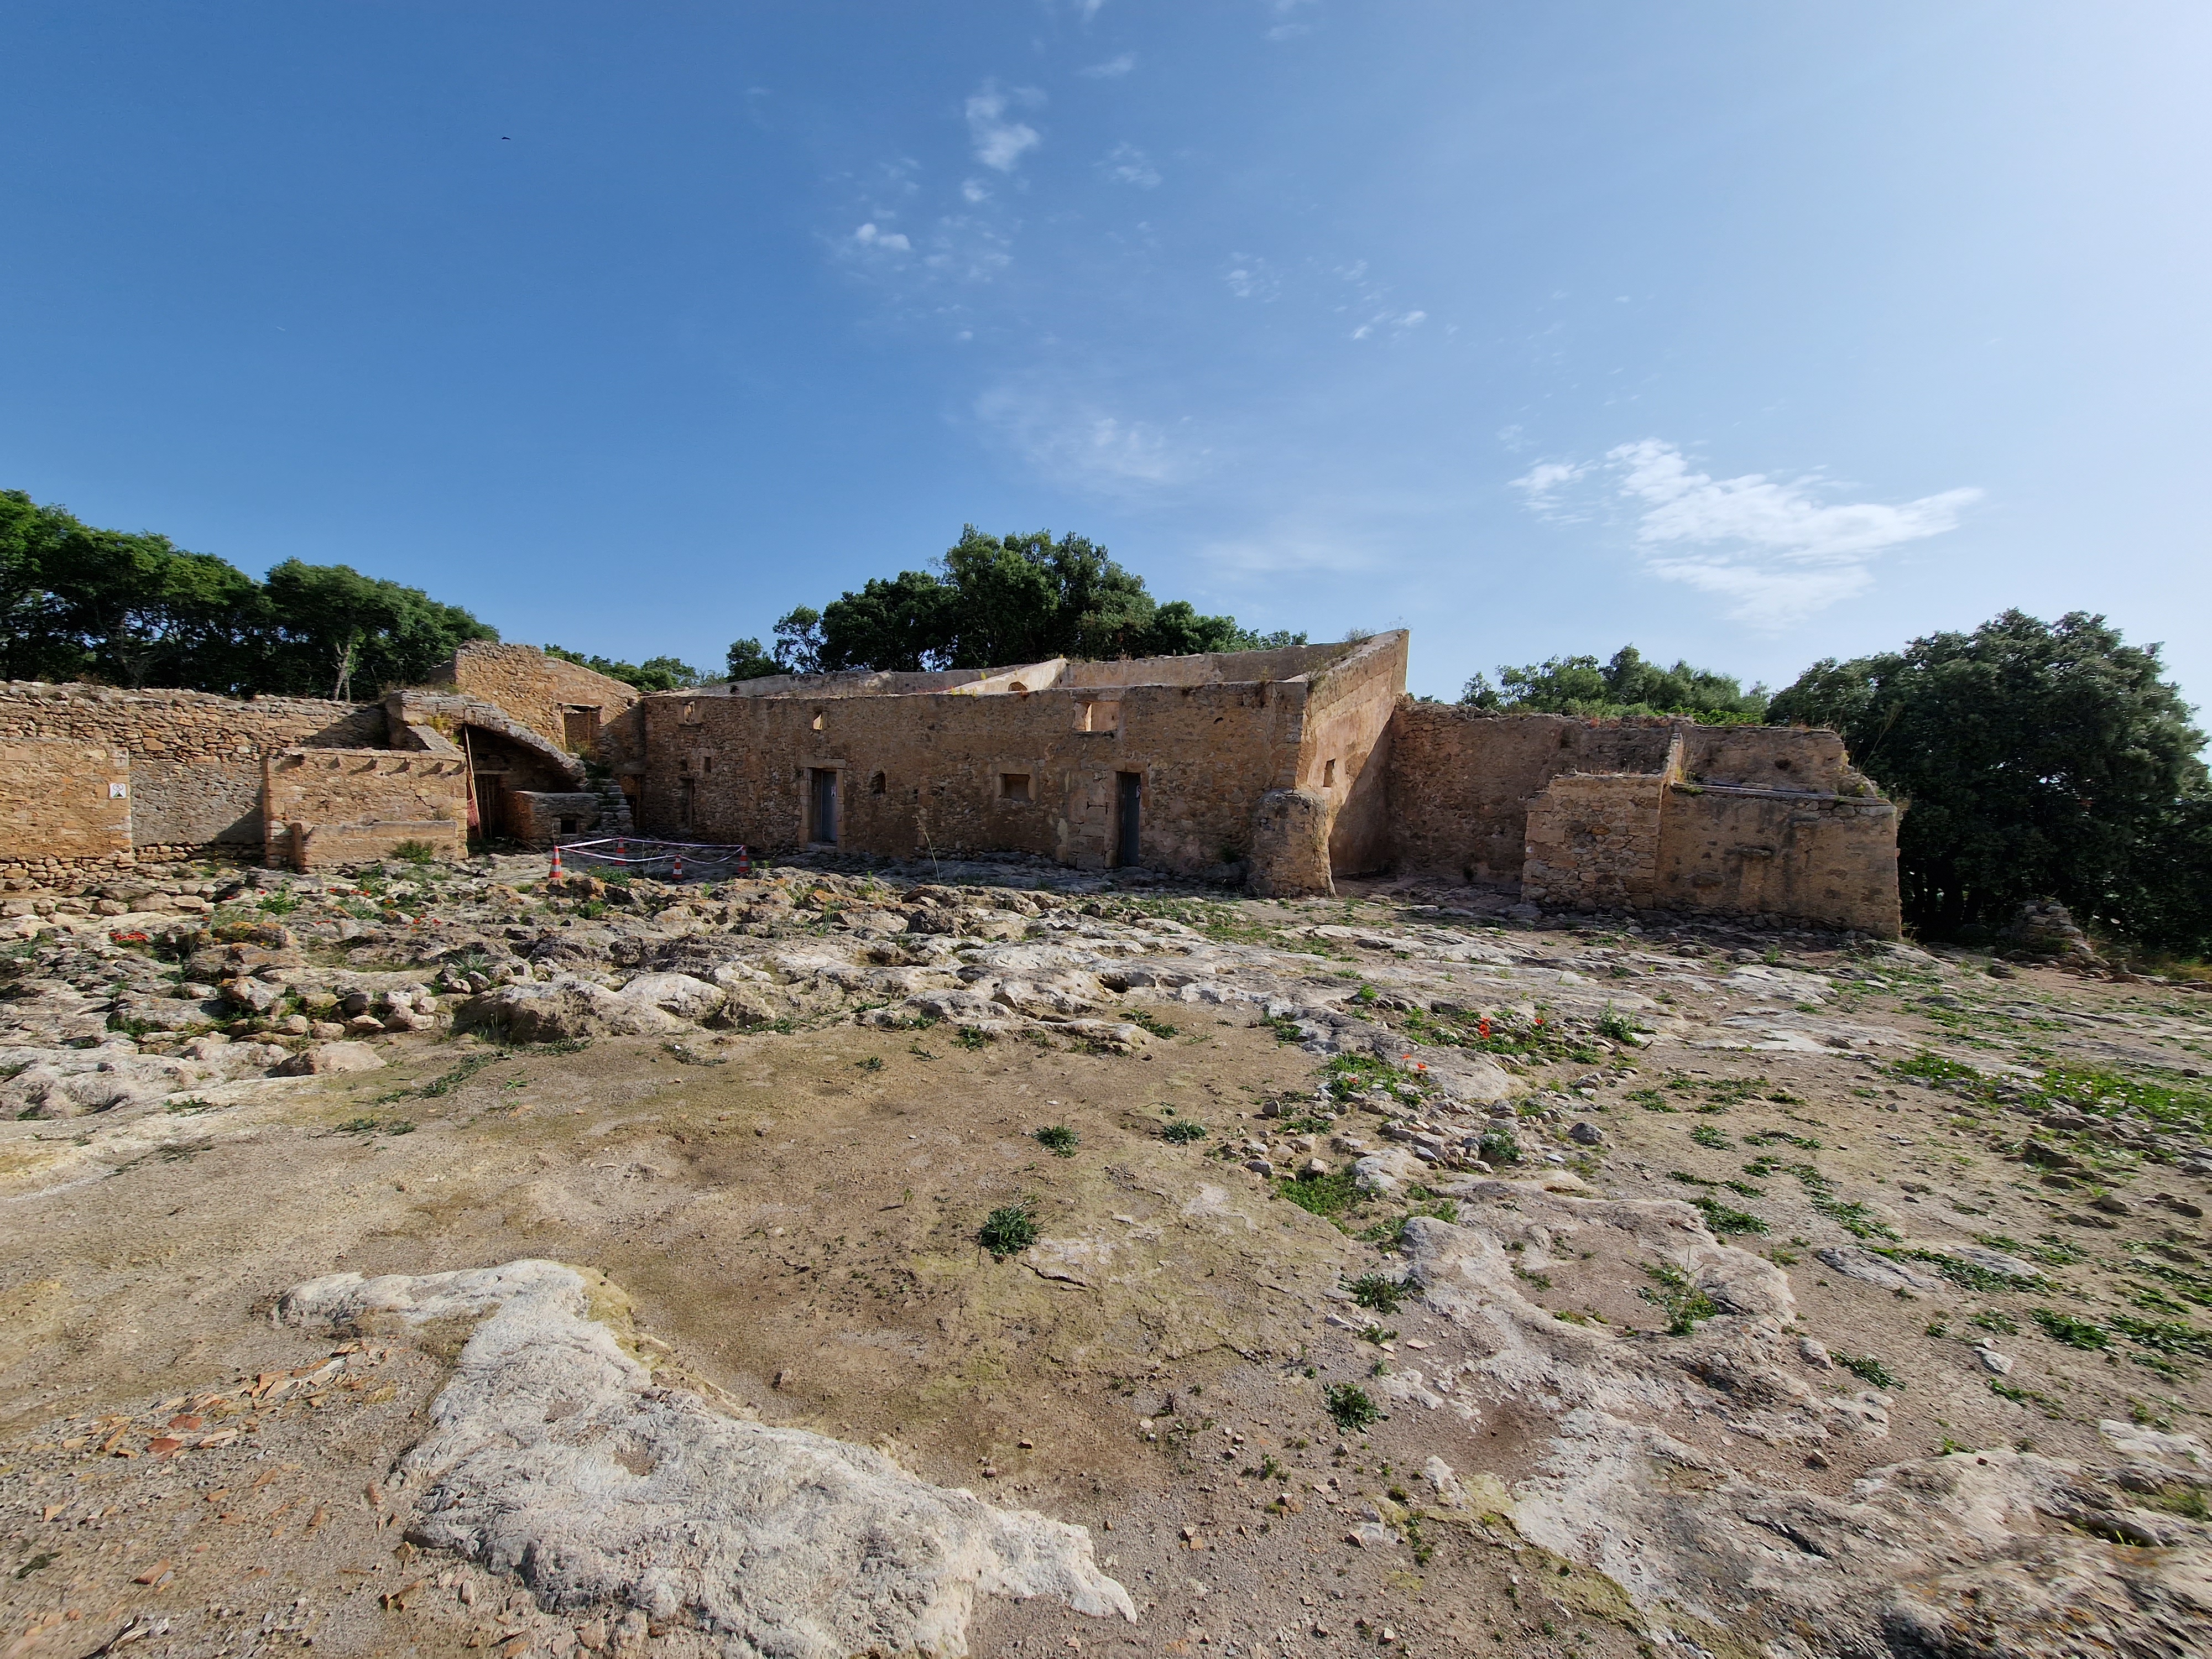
1008,1230
1349,1407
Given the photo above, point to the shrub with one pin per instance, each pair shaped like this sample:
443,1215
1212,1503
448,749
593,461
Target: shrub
1182,1132
1058,1139
415,852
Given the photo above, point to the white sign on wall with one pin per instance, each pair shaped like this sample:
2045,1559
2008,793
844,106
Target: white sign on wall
117,791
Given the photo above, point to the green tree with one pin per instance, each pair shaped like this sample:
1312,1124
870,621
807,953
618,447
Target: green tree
748,659
34,641
653,674
999,599
329,631
136,610
1624,686
131,608
2036,759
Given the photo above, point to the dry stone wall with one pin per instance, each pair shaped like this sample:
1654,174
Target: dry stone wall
1829,859
1593,842
194,766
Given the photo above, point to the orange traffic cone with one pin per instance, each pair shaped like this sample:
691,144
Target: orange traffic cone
556,874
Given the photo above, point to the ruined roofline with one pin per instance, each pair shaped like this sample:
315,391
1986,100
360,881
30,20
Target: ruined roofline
1305,663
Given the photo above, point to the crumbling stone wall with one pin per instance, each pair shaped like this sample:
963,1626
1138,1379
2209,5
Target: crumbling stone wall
195,763
1344,754
1747,821
1028,759
538,818
564,702
330,806
1460,781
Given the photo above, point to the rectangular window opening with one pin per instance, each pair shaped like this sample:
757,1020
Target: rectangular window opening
1014,786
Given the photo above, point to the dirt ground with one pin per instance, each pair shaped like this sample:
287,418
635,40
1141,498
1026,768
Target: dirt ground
793,1216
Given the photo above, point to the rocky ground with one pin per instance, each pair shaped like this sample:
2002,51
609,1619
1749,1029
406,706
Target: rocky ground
1001,1259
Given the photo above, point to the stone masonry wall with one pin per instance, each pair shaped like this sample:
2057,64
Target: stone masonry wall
336,806
1829,859
1460,781
1593,842
534,689
1745,820
194,758
66,805
948,772
1344,757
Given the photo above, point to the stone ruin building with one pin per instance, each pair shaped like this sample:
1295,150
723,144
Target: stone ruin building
1280,769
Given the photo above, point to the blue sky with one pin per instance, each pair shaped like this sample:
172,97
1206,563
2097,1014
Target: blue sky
1750,333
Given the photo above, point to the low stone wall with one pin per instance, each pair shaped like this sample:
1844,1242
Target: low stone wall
538,817
326,807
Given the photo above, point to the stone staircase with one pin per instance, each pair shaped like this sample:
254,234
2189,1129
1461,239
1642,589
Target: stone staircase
614,810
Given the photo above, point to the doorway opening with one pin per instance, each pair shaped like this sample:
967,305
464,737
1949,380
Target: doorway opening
1129,828
822,805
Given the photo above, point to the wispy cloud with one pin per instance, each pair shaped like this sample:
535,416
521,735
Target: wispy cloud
1288,551
1112,69
891,240
1251,277
1776,550
1125,164
1000,141
1087,446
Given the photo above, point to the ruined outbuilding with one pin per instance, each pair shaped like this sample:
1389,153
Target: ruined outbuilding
1280,770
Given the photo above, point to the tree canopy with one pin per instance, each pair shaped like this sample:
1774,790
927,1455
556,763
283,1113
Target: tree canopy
992,601
653,674
2034,759
131,608
1625,685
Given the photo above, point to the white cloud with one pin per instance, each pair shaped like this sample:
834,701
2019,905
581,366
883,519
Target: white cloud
869,236
1776,550
1125,164
975,190
1398,322
1112,69
1542,483
1087,446
1287,551
1000,142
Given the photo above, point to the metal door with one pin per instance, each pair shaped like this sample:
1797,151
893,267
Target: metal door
825,812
